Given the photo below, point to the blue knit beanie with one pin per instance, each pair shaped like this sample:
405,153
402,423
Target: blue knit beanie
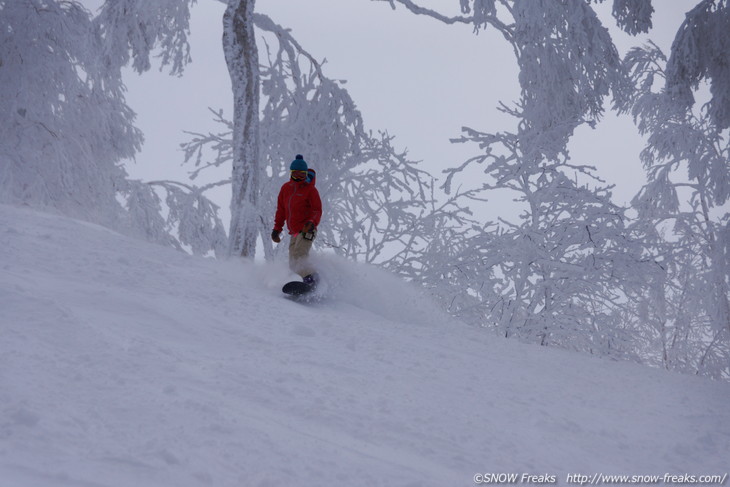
298,164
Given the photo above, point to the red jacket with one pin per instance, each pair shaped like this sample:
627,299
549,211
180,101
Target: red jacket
298,204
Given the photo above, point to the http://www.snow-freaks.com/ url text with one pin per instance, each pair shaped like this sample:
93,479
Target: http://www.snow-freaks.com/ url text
599,479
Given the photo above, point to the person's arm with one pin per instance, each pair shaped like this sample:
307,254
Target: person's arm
280,212
316,203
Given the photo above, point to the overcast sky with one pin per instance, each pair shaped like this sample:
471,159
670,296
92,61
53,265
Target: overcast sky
411,75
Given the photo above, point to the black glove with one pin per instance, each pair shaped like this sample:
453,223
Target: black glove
308,231
276,236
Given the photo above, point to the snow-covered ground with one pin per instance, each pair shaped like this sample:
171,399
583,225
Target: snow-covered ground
128,364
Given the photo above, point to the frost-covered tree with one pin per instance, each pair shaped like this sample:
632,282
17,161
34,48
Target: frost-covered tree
560,273
684,206
567,65
132,31
567,61
67,127
190,222
701,52
65,124
373,194
241,53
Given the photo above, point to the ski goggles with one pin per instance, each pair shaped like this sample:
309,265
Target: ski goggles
299,175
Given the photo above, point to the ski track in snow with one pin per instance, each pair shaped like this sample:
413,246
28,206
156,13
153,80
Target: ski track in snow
128,364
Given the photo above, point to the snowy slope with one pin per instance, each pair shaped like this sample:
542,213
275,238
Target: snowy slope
127,364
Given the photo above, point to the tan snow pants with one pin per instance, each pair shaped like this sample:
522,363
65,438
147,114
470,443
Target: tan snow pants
299,248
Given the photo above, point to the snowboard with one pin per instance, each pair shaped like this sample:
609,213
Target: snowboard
297,288
302,292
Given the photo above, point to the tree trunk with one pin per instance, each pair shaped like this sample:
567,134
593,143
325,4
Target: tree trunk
239,46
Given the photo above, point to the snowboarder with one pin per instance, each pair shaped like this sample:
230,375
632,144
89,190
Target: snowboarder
300,206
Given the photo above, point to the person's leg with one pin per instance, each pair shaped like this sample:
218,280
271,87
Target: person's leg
299,248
